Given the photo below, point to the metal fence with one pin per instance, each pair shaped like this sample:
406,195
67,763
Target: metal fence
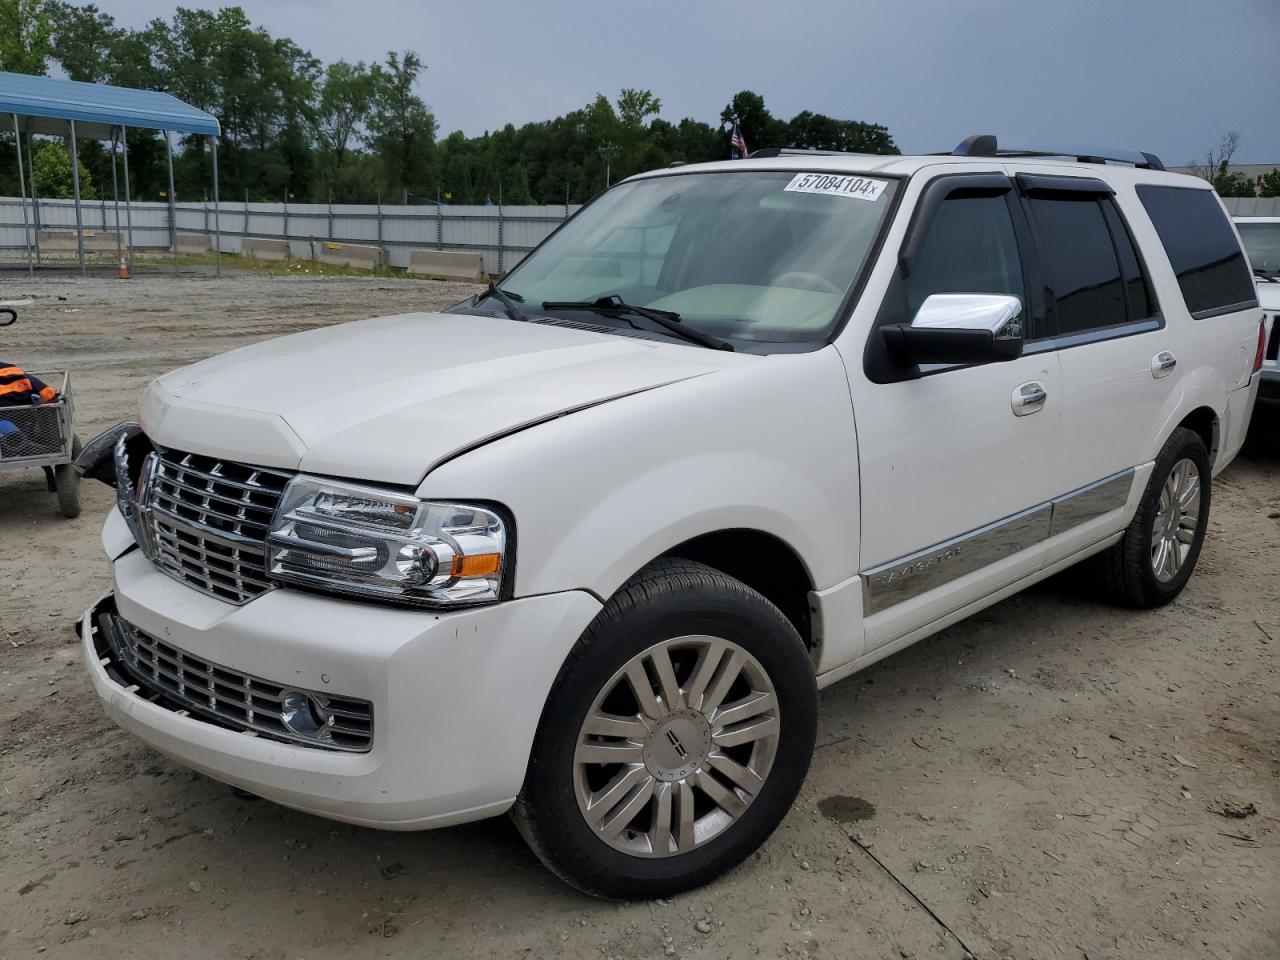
1253,206
502,235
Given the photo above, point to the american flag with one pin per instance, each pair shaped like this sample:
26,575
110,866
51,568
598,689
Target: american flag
737,143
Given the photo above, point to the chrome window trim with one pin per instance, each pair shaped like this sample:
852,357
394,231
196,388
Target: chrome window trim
889,584
1096,335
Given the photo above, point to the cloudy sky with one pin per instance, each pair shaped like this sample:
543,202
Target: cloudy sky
1160,75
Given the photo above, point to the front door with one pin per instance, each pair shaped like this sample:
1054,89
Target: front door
958,464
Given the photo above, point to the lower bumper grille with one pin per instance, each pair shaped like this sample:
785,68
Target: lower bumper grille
228,698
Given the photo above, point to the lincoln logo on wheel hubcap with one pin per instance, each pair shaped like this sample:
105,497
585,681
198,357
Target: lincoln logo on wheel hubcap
675,742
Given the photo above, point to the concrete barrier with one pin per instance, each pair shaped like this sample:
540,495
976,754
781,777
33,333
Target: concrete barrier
446,265
194,243
356,255
264,248
64,241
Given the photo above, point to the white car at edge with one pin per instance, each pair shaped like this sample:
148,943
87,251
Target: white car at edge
585,547
1261,238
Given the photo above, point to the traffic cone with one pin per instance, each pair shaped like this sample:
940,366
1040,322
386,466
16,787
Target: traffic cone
124,268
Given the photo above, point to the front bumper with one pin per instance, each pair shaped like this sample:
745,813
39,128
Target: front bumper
456,696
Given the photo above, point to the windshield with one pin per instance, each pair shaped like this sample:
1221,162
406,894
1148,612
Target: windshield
763,256
1262,243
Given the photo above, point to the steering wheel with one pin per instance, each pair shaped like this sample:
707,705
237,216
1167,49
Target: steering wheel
803,280
7,316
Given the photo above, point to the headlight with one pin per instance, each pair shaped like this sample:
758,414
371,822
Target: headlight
379,543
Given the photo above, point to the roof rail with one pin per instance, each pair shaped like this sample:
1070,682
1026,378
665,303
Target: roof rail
766,152
985,145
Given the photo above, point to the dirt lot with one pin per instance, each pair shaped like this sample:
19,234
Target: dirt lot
1049,779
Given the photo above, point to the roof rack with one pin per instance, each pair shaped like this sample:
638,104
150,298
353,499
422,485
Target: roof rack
767,152
985,145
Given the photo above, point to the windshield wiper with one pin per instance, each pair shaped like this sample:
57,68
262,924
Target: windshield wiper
1266,274
507,300
667,319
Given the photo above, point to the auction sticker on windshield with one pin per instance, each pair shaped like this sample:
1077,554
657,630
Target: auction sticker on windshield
859,188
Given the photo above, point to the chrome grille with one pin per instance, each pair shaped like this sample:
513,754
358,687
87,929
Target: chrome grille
179,681
208,519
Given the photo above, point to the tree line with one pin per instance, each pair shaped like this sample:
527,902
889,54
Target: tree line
295,128
1215,167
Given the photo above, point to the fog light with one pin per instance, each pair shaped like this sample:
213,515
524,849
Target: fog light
305,715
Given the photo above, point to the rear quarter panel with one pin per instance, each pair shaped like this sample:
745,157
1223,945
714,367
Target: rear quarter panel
1215,354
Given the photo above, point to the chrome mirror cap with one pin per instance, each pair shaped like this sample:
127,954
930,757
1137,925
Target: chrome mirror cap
996,313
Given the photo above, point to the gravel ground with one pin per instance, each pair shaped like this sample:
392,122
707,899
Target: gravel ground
1051,778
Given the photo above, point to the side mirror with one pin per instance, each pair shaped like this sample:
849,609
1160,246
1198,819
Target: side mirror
959,328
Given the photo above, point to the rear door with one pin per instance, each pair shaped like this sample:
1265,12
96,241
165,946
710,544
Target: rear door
1117,354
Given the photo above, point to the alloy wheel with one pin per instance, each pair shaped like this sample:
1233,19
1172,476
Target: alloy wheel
676,746
1177,520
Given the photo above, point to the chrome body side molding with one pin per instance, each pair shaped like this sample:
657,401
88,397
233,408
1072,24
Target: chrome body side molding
1080,506
907,577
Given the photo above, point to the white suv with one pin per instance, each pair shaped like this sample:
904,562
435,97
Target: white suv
1261,236
585,547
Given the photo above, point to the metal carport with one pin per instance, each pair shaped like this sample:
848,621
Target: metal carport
97,111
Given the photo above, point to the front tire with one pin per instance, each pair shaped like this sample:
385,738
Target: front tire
1152,562
674,739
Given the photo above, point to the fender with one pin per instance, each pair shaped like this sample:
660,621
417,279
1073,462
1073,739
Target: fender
598,494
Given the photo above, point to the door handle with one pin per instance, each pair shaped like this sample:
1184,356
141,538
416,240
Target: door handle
1162,364
1028,398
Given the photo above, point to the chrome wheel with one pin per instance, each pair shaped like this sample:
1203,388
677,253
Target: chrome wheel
676,746
1177,520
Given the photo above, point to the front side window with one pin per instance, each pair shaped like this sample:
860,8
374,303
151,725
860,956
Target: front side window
753,256
1081,266
1212,271
970,248
1262,243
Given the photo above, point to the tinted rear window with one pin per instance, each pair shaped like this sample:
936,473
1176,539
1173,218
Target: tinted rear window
1211,268
1081,263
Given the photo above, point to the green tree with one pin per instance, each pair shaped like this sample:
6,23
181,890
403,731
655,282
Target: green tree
25,36
1270,184
346,96
813,131
51,170
759,127
635,106
84,41
1232,184
402,131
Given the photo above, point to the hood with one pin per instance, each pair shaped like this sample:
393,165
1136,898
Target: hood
388,399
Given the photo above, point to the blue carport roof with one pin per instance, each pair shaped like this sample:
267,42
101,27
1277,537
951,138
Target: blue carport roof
39,102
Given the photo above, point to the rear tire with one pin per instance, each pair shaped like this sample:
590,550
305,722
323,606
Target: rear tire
1152,562
706,694
67,482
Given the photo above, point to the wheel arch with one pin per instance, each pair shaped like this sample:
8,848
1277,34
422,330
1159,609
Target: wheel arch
764,562
1206,424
